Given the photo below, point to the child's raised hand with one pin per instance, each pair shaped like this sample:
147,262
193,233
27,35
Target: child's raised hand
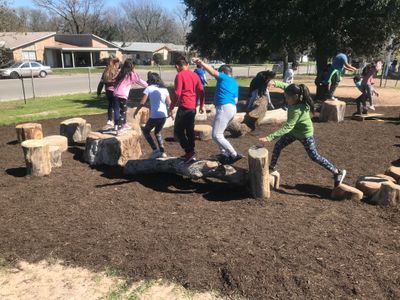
263,140
196,60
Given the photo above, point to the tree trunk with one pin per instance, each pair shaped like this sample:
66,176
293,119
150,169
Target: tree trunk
58,140
285,58
55,156
76,130
346,192
37,157
259,173
29,131
322,62
196,170
203,132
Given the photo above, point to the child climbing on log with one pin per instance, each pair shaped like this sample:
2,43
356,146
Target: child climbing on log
159,99
226,98
126,77
259,87
109,76
299,127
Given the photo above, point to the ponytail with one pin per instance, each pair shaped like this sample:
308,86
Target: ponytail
303,94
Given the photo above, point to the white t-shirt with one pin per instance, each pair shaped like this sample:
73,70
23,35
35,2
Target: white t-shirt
289,76
157,96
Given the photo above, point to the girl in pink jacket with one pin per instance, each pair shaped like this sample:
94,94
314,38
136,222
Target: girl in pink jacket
126,78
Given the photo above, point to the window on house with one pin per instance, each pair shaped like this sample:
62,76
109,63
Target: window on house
29,55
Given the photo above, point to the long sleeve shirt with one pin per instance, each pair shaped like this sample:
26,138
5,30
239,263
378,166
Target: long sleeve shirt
123,87
187,87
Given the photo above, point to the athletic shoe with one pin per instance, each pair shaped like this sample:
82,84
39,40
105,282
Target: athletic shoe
230,160
372,107
155,154
339,177
365,111
110,123
334,99
163,155
188,157
274,173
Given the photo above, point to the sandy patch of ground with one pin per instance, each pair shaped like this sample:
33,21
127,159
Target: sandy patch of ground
45,280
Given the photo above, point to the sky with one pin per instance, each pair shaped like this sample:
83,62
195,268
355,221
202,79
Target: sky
169,4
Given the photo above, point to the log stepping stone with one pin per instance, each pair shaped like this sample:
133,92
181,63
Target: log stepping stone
370,185
199,116
346,192
76,130
332,111
55,156
364,117
29,131
111,150
394,172
259,172
57,140
388,195
203,132
275,180
37,157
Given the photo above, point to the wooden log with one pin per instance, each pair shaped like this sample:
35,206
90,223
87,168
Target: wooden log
238,129
259,172
275,180
76,130
388,195
57,140
203,132
332,111
370,185
37,157
107,149
394,172
55,156
197,170
29,131
275,116
346,192
369,116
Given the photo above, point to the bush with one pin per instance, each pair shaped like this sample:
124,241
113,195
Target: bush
158,58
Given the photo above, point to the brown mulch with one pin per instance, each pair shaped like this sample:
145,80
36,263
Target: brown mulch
209,235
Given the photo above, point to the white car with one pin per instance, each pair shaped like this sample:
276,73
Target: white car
25,69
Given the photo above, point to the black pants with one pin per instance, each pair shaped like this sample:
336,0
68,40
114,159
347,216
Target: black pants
120,109
334,84
158,125
361,100
111,100
184,128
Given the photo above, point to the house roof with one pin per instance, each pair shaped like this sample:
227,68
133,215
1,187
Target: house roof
148,47
14,40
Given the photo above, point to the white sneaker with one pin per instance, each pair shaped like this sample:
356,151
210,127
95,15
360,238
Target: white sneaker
110,123
155,154
372,107
334,99
163,155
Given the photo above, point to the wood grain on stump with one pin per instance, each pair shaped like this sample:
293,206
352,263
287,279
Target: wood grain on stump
203,132
55,156
76,130
394,172
37,157
259,173
388,195
346,192
370,185
57,140
29,131
332,111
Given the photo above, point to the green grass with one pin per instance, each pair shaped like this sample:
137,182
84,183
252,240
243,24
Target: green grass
77,71
51,107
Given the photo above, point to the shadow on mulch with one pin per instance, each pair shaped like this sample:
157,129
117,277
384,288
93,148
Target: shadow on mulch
15,142
16,172
308,190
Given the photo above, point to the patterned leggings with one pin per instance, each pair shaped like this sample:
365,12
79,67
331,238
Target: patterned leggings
309,145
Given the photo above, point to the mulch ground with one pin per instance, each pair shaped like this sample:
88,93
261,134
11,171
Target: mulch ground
209,235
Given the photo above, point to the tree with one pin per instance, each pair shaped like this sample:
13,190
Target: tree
149,22
158,58
183,22
78,16
9,20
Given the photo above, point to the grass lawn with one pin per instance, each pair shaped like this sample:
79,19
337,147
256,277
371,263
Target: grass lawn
51,107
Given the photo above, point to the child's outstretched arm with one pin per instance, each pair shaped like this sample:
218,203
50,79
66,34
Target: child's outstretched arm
206,67
141,104
293,117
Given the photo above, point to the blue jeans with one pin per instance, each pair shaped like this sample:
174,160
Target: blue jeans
368,92
309,146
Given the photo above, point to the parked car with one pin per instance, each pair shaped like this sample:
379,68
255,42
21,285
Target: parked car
25,69
216,63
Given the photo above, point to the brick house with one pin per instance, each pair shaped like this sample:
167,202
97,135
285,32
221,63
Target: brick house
59,50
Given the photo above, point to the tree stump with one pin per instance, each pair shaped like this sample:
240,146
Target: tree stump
370,185
332,111
259,173
276,116
197,170
203,132
394,172
29,131
106,149
144,115
346,192
388,195
57,140
275,180
76,130
55,156
199,116
37,157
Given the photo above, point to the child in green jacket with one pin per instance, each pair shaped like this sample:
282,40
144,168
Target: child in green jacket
299,127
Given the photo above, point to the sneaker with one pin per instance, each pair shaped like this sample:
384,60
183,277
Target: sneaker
222,159
232,159
188,157
334,99
163,155
365,111
339,177
110,123
155,154
372,107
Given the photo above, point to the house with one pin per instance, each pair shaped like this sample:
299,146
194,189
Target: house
59,50
143,53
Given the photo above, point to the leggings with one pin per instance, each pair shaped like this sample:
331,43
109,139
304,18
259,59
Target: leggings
158,125
120,108
111,104
309,145
334,84
368,92
225,114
